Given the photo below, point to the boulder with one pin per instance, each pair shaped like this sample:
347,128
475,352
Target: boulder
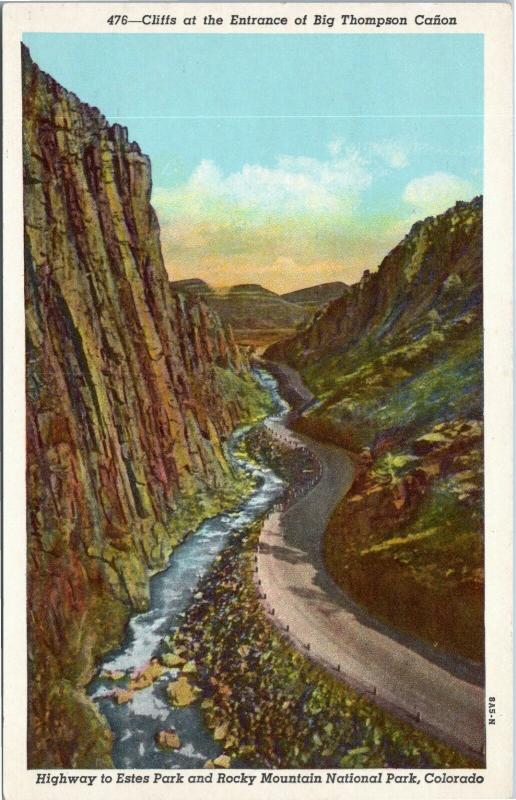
220,731
181,692
168,740
222,762
143,677
121,696
171,660
112,674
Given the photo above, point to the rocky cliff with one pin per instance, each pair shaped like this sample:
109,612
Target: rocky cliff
132,391
436,269
396,368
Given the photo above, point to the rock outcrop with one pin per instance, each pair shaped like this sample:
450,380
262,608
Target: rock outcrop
132,390
436,268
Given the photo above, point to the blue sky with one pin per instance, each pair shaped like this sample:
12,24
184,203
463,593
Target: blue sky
286,156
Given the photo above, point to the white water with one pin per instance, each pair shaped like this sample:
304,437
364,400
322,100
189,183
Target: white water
135,723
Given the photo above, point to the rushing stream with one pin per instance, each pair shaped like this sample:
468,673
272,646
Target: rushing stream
136,722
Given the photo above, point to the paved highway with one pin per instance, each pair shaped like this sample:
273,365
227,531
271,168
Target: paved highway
435,692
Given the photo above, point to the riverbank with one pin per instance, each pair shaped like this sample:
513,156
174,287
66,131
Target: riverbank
130,687
267,704
290,386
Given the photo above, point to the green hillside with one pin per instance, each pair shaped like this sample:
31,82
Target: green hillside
396,367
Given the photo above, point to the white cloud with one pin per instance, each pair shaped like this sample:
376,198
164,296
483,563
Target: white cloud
294,218
335,147
295,184
433,194
393,153
206,177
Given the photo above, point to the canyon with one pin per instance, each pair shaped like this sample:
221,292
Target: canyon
136,388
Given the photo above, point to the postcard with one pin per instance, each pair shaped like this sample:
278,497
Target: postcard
258,400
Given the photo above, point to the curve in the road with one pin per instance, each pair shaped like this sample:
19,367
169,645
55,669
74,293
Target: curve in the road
435,692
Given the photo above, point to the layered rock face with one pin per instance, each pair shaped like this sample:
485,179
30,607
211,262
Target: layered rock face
396,366
132,390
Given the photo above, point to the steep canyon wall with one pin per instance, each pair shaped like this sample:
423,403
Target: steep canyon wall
132,390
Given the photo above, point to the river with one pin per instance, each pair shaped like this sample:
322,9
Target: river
135,723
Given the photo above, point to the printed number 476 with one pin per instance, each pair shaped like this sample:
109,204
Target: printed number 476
117,19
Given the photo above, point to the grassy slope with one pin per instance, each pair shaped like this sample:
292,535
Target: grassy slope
419,565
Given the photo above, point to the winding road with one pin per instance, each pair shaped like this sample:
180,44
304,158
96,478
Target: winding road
435,692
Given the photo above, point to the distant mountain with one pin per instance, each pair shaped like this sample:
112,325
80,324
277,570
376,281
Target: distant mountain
194,286
247,306
257,315
396,367
317,296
